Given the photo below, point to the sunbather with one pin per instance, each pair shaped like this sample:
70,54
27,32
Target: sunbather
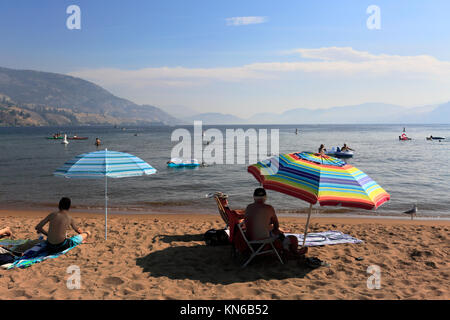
261,222
5,232
59,223
5,255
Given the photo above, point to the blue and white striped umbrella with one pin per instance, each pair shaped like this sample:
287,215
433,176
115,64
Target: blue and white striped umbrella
104,164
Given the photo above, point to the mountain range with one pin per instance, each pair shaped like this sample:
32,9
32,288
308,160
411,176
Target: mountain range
367,113
35,98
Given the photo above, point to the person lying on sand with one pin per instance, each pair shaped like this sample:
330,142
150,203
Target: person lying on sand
261,222
59,223
5,232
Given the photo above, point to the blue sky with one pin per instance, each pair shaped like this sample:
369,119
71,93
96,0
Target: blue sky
311,54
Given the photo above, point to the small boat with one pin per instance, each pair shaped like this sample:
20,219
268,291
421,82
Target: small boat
403,137
179,163
336,152
78,138
68,138
435,138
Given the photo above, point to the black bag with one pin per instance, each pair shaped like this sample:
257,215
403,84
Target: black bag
216,237
6,258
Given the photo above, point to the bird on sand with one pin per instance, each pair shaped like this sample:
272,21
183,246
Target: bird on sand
413,211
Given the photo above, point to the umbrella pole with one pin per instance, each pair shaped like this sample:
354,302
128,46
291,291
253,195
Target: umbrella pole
307,225
106,207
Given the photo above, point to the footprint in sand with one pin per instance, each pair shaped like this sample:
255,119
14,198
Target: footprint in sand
431,264
115,281
136,286
21,294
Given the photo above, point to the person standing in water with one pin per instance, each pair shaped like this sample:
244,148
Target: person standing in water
97,142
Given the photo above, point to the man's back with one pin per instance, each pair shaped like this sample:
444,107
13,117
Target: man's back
258,220
59,223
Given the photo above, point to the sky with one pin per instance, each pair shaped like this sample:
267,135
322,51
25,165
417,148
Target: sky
239,57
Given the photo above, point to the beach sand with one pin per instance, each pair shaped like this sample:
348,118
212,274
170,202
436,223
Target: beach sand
165,257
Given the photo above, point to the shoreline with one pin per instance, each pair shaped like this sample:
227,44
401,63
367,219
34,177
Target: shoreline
323,218
326,217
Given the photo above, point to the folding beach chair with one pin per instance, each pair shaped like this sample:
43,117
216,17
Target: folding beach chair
220,197
230,217
255,247
234,220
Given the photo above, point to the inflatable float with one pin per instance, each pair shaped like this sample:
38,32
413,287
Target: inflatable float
182,163
336,152
403,137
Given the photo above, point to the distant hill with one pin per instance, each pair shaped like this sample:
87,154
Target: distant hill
34,98
362,113
215,118
439,114
180,112
42,98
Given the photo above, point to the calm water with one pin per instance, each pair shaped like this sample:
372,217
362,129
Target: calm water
411,171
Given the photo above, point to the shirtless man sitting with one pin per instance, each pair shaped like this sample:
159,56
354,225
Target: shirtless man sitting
261,222
59,223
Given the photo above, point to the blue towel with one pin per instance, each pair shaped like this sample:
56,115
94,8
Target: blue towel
40,253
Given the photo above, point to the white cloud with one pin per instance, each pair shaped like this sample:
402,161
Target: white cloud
241,21
338,54
344,62
169,77
321,77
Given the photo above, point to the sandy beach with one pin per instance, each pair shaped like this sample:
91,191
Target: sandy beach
165,257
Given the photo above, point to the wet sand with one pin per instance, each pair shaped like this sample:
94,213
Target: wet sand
160,256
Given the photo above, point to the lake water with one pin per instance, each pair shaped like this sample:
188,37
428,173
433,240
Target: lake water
415,171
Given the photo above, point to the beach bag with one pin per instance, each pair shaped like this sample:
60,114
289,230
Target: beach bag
215,237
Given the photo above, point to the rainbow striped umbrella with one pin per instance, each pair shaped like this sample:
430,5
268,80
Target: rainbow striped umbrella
318,178
104,164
